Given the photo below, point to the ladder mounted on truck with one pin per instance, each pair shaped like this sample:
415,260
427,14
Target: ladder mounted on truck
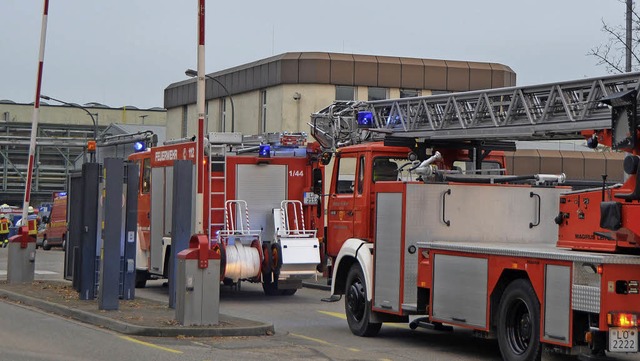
538,112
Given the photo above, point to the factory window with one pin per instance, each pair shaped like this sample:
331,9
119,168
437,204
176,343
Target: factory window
183,128
377,93
345,92
409,93
223,114
263,111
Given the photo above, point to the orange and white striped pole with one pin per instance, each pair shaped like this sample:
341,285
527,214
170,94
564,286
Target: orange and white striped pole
36,115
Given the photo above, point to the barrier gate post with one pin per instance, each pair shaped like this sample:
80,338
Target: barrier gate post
130,229
181,219
113,234
22,257
198,283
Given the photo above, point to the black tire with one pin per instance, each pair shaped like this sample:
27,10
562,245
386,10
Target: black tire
64,242
141,279
519,323
356,305
45,245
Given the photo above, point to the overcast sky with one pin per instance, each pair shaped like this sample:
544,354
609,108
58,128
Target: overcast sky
125,52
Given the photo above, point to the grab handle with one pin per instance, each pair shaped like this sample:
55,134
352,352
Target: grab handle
531,195
444,207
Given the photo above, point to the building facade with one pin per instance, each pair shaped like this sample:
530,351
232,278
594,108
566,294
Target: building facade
63,133
279,93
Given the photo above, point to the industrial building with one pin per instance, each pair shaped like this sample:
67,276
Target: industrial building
63,132
279,93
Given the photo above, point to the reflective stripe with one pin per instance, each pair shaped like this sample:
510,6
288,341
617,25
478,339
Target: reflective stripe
33,227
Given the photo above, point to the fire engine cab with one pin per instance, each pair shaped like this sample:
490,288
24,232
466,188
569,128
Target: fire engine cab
260,207
521,258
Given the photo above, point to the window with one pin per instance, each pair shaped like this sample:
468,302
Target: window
377,93
263,111
488,167
146,175
223,114
345,92
409,93
361,175
183,128
385,169
346,175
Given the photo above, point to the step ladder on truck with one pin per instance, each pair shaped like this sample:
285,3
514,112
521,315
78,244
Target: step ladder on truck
521,258
260,171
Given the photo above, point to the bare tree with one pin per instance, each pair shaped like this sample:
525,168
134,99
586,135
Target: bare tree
618,54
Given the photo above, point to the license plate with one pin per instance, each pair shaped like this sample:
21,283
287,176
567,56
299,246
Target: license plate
623,339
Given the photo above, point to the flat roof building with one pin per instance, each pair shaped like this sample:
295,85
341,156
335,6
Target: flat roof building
63,132
279,93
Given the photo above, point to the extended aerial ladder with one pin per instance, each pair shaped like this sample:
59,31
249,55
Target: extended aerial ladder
538,112
550,265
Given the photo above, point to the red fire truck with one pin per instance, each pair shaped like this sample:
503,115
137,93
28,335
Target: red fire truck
260,207
521,258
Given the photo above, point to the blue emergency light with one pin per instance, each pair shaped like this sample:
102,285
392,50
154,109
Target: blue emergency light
265,151
365,119
139,146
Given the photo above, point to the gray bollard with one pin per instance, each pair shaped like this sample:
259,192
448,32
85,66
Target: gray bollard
198,284
22,258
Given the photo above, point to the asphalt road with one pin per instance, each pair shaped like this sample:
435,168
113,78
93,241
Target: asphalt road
306,329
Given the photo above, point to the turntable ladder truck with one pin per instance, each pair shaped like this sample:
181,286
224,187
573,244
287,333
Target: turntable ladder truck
521,258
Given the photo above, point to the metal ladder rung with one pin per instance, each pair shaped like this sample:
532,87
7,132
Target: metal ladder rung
213,211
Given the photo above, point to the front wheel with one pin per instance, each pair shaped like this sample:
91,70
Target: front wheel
45,245
357,307
519,323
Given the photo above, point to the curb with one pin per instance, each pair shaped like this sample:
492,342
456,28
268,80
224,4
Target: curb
260,329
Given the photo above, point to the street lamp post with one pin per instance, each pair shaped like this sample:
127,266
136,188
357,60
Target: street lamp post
95,123
192,73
